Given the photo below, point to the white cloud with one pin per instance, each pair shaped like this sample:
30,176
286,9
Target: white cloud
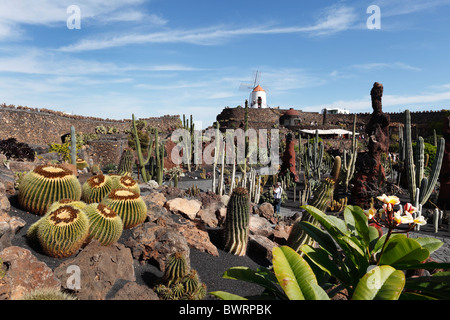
15,14
333,19
383,65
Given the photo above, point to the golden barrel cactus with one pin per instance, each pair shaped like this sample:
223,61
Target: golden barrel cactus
46,184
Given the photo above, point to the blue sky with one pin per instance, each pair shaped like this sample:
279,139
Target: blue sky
157,57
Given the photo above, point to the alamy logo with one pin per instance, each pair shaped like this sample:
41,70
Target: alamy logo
74,280
74,20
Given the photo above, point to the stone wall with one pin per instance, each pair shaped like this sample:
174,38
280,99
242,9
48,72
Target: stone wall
269,118
43,126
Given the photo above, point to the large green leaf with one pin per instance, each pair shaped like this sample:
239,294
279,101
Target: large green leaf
355,216
226,296
380,283
262,277
403,250
322,238
436,286
432,244
323,260
295,275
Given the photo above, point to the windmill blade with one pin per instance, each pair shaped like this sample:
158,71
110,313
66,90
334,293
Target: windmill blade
245,87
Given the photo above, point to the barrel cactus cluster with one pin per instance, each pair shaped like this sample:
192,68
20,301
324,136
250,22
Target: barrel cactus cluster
73,214
179,281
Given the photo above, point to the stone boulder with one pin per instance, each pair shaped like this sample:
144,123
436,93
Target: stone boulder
8,180
188,208
155,197
156,241
24,273
100,267
134,291
265,210
9,226
260,226
261,246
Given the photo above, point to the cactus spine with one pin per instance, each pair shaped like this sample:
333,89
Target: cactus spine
128,205
47,294
105,225
96,188
313,158
237,222
415,171
62,231
46,184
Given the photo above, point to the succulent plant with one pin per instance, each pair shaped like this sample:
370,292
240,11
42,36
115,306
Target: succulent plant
237,222
62,231
126,162
47,294
46,184
126,182
105,225
176,268
96,188
129,206
81,164
191,281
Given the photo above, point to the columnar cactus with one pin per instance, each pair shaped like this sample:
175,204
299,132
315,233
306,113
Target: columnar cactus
45,185
126,162
349,161
96,188
415,171
313,158
128,205
237,222
105,225
62,231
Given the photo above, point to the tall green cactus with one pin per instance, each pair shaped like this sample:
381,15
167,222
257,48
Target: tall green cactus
73,145
142,162
415,167
237,222
348,165
313,158
126,162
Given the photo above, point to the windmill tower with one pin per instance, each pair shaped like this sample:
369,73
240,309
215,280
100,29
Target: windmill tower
258,96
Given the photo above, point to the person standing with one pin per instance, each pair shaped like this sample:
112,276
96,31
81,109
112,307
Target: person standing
277,192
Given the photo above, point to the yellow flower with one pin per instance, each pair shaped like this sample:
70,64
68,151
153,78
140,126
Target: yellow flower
389,199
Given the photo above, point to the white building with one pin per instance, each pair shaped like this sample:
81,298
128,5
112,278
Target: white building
335,111
258,98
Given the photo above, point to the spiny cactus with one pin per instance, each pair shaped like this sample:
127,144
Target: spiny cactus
348,164
62,231
105,225
81,164
415,171
176,268
125,182
237,222
47,294
46,184
96,188
126,163
128,205
191,282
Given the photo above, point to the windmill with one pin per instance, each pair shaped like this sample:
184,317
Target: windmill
258,97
